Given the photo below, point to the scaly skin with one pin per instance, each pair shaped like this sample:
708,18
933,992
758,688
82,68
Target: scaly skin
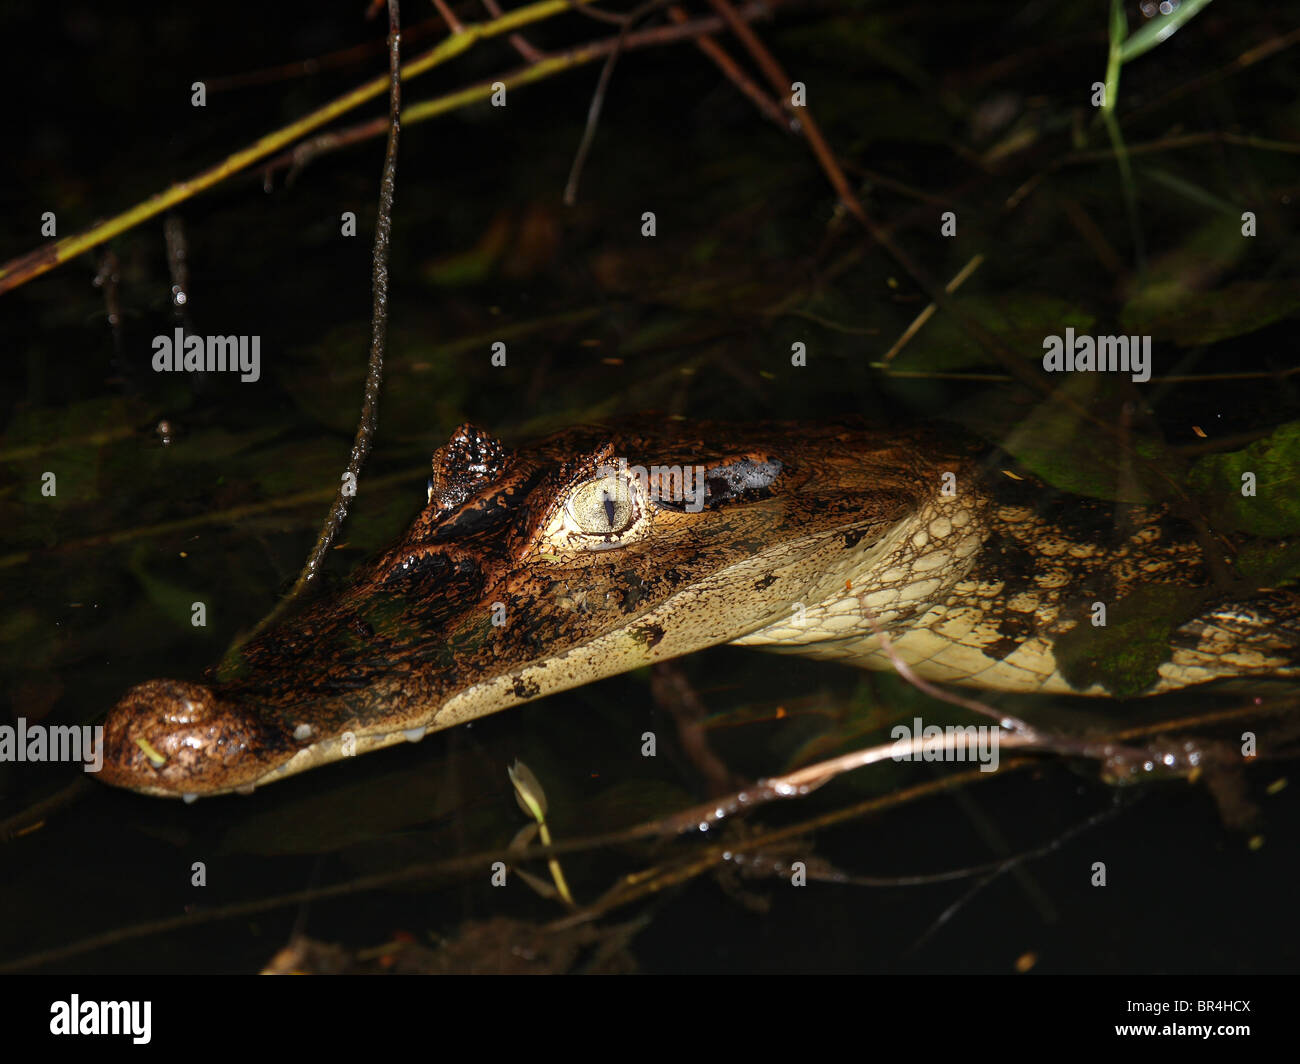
809,538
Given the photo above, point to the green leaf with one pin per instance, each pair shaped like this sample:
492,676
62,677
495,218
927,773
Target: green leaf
1125,655
1274,465
1114,57
1057,443
529,792
1160,29
1172,312
1269,563
1019,319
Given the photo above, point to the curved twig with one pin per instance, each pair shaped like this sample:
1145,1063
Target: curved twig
369,419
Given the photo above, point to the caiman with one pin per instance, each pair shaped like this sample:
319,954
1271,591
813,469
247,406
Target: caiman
597,550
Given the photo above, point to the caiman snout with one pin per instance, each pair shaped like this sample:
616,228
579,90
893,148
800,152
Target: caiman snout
169,737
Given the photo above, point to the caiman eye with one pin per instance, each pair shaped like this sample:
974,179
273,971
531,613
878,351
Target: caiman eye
607,512
603,507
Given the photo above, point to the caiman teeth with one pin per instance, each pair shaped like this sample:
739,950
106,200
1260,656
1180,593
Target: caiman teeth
414,735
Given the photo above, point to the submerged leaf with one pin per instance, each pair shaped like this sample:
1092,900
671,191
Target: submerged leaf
1170,311
1125,655
1019,319
1057,441
1255,490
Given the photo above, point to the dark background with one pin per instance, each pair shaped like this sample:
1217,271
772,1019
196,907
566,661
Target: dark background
978,108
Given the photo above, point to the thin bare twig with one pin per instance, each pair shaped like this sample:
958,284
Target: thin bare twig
449,16
304,152
598,98
801,116
369,419
731,70
673,691
107,277
1013,862
518,41
973,264
612,18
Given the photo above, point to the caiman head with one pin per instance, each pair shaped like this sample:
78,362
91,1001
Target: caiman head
588,553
